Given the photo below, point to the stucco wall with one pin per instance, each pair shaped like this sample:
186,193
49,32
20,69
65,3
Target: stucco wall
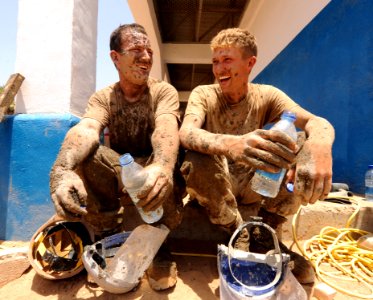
56,53
328,69
30,143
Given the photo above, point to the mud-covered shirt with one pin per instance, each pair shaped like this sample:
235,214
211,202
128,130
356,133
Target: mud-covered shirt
262,105
131,125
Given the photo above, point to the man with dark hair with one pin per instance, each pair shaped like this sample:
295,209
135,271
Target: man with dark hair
142,116
223,133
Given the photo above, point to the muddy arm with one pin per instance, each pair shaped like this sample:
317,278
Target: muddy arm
159,184
258,149
165,141
80,141
313,173
67,189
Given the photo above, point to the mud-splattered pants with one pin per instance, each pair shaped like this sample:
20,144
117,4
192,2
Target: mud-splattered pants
219,186
106,198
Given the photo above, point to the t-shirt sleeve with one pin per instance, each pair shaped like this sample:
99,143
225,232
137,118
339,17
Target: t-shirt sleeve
97,108
167,100
197,103
278,102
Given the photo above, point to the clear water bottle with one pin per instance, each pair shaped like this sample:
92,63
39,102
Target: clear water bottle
133,178
369,183
266,183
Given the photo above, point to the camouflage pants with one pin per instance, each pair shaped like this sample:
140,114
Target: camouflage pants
220,186
107,200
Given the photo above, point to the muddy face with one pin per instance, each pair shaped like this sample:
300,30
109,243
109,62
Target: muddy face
231,71
136,58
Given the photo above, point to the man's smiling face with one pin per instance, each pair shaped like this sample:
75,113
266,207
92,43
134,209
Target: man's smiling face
231,70
135,59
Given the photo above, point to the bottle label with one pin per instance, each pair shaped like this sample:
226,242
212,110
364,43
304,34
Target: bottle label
369,182
272,176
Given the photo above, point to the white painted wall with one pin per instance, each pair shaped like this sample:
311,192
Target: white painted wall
56,52
186,53
143,13
275,23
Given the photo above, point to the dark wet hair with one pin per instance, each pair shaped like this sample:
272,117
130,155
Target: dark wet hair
117,35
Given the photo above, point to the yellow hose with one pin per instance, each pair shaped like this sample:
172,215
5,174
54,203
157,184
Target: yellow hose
334,254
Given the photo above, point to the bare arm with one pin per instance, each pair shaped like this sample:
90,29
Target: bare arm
67,190
165,142
258,149
313,172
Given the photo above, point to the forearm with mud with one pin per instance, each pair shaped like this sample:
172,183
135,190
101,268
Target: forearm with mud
79,143
206,142
319,129
165,142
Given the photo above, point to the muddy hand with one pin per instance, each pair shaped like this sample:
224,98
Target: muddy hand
69,197
267,150
313,173
156,189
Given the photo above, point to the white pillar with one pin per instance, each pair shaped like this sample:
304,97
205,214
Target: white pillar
56,52
143,13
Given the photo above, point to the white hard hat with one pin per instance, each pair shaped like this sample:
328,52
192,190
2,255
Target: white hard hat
56,248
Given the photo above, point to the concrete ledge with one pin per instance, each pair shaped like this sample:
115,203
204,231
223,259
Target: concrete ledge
197,234
313,218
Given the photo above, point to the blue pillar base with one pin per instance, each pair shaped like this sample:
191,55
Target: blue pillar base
29,147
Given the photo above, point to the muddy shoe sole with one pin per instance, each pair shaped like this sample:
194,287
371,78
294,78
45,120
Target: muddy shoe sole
162,275
301,267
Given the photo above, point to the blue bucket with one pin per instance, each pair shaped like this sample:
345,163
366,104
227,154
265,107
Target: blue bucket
247,275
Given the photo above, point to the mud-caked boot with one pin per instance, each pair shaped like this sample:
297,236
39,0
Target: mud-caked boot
162,273
261,241
242,241
301,267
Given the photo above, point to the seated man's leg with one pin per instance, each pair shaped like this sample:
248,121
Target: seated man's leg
173,205
101,176
208,180
102,179
273,212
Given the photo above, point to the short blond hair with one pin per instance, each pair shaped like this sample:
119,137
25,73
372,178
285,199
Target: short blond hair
236,37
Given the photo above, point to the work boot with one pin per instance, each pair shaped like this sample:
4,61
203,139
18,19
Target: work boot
261,241
242,242
162,273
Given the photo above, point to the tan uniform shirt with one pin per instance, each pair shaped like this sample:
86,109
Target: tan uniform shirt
132,124
263,104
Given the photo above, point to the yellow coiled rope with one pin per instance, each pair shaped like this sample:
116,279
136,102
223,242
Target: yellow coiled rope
337,259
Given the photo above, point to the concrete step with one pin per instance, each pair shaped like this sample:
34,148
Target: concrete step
196,228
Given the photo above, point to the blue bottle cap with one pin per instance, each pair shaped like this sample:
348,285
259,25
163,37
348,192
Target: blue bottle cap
125,159
290,187
289,115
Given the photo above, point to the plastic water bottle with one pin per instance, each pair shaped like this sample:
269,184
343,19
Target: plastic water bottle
369,183
133,178
266,183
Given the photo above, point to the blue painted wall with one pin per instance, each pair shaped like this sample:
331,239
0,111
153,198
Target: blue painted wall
29,146
328,70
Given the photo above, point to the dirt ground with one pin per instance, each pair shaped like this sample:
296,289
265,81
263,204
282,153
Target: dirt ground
198,276
198,279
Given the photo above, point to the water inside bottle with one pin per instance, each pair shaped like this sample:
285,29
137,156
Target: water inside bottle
147,216
266,184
